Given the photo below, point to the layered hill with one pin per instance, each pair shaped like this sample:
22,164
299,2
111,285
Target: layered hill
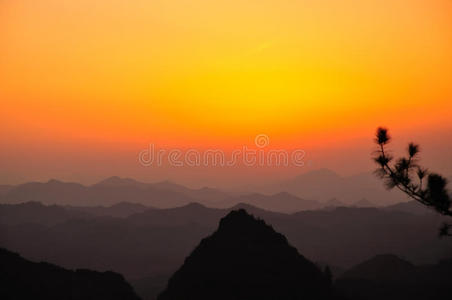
165,194
156,241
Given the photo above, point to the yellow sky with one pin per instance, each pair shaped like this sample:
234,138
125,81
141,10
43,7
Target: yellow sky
200,72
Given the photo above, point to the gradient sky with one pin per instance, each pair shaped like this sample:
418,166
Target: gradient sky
85,85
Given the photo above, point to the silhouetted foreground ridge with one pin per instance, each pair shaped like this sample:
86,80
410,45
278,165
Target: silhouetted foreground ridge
246,259
392,278
23,279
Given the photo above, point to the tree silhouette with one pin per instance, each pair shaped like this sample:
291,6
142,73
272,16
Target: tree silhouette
407,175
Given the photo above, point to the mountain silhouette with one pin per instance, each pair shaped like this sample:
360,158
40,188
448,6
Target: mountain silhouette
23,279
246,259
392,278
381,267
112,190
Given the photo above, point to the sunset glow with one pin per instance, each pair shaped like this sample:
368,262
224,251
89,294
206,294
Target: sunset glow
99,80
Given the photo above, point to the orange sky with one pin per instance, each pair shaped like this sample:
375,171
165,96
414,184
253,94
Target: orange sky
84,85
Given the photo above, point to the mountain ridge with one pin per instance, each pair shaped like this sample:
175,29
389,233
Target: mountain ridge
24,279
246,259
309,187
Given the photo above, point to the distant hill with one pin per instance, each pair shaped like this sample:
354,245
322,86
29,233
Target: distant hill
412,207
23,279
333,203
51,192
363,203
121,210
202,194
193,213
38,213
392,278
116,181
381,267
35,212
246,259
280,202
324,184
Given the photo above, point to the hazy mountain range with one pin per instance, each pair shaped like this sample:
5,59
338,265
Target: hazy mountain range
146,230
155,241
323,185
313,190
149,245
